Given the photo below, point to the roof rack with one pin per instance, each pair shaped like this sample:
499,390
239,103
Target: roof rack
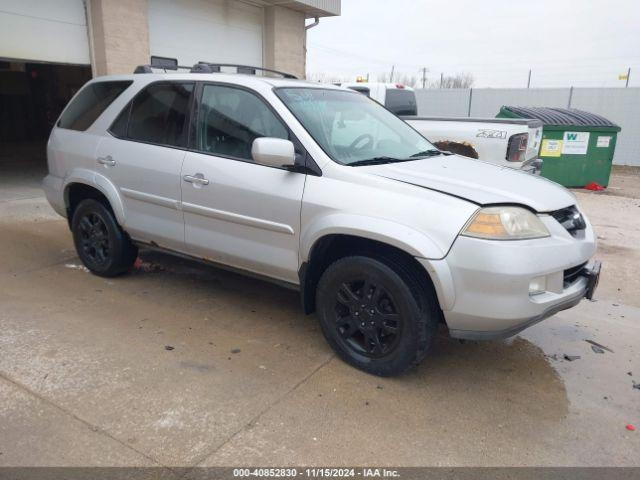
209,67
165,63
160,63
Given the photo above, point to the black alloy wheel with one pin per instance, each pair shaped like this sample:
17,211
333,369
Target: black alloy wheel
378,314
104,248
94,239
366,317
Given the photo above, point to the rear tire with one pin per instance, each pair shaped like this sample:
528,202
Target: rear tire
104,248
378,316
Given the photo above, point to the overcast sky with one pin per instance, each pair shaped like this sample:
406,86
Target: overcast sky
564,42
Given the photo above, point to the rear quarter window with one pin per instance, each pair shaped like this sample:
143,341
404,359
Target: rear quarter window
89,104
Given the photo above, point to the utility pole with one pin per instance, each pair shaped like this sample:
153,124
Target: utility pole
529,79
441,79
424,77
391,77
626,85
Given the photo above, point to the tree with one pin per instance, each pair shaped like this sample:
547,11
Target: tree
459,80
322,77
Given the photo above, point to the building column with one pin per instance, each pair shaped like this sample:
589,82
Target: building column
118,35
284,40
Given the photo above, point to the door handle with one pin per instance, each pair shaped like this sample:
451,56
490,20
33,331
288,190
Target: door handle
197,179
108,160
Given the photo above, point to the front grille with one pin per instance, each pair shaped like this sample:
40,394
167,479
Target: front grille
571,219
571,274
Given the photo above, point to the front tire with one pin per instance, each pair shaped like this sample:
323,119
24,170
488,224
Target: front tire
377,315
104,248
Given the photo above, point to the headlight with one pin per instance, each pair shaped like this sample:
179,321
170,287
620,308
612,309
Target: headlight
505,223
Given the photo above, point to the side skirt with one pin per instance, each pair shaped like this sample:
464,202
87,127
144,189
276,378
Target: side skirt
221,266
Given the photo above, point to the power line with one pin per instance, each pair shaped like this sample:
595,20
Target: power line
626,60
552,75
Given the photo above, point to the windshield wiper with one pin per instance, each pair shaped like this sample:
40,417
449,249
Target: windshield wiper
375,161
427,153
383,160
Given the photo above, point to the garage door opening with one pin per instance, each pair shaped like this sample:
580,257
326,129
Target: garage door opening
32,95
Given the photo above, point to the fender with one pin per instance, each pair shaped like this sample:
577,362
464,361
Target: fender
412,241
99,182
442,279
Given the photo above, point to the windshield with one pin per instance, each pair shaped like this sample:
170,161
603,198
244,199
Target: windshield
353,129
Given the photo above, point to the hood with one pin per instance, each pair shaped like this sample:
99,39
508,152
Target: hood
479,182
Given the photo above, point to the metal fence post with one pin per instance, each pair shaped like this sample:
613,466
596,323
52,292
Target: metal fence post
570,97
470,98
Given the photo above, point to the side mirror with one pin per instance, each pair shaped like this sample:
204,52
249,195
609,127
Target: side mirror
273,152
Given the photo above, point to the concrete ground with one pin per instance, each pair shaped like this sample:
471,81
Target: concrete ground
181,364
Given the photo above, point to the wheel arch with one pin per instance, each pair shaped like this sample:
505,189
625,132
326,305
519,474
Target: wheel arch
463,148
87,184
397,235
333,246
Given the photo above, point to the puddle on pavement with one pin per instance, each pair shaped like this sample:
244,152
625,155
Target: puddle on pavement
513,373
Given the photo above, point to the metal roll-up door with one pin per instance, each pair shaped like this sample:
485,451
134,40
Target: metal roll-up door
52,31
214,30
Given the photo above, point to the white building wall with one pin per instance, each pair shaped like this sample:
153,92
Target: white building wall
447,102
487,102
620,105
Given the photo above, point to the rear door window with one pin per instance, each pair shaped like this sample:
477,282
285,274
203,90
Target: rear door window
89,104
401,102
159,114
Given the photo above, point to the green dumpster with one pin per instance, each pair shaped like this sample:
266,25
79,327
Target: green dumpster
577,147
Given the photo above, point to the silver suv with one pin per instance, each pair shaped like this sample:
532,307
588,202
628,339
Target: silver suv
322,189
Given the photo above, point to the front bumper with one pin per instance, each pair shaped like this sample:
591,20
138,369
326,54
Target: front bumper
484,286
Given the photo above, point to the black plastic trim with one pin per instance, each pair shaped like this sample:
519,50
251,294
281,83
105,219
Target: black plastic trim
209,67
164,63
570,218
